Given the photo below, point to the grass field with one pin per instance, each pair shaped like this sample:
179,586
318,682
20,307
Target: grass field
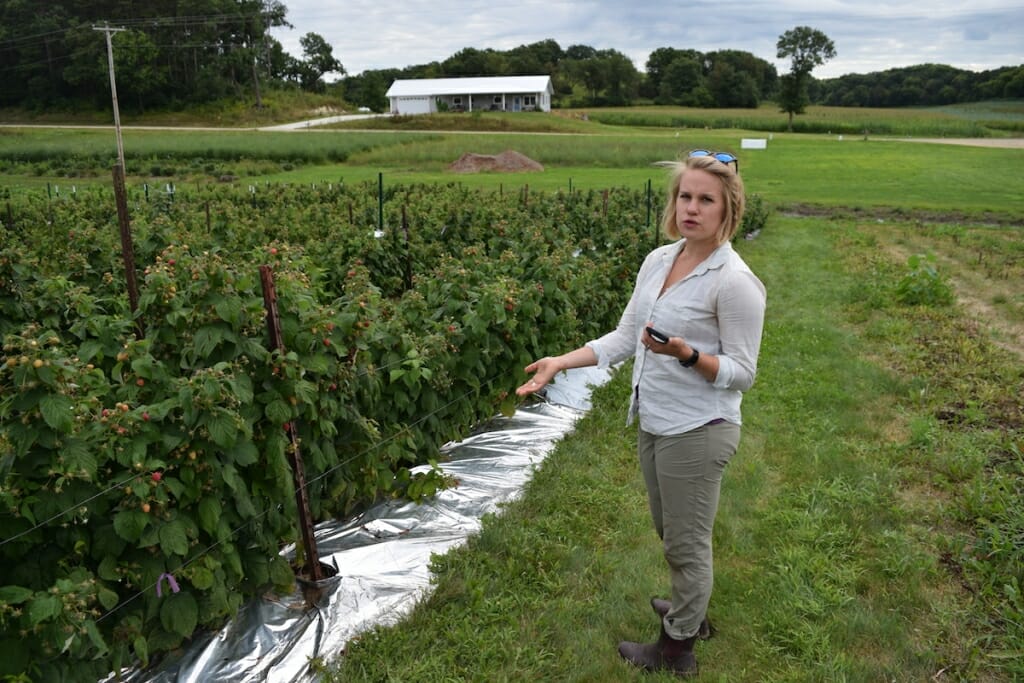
795,168
867,525
871,526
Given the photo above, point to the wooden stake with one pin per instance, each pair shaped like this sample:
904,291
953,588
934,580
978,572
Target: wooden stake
294,455
127,251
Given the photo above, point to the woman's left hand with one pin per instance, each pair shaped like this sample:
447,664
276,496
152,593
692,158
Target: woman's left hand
675,346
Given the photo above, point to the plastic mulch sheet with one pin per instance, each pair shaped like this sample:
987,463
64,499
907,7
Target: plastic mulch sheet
382,556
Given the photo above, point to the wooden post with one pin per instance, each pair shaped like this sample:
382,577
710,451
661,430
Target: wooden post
380,202
408,251
127,251
649,212
294,455
648,202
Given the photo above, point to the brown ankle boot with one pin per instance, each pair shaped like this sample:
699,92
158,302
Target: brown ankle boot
661,608
667,654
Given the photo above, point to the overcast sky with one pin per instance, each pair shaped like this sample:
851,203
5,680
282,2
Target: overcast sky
869,35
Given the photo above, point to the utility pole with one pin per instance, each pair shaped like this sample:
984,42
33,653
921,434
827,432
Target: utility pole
113,91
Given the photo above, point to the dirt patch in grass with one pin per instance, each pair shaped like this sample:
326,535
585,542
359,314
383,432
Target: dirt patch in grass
884,214
1003,143
508,161
975,295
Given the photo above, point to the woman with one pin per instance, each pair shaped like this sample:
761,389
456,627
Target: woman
706,311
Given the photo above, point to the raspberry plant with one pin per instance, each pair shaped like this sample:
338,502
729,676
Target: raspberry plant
126,461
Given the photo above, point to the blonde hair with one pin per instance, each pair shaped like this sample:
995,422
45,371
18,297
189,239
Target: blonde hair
732,192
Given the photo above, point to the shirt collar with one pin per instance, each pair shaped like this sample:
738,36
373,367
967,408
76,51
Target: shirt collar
716,259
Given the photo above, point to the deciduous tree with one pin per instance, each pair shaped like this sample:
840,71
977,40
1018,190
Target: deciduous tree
806,48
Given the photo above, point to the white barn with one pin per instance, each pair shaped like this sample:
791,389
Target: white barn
496,93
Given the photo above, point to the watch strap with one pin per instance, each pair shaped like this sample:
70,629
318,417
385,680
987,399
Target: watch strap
691,361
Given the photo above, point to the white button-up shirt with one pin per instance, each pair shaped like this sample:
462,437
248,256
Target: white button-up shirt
718,309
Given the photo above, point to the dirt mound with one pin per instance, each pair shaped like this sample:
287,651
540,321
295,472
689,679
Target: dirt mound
506,162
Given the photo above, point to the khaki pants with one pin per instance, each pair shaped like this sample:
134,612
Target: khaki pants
683,473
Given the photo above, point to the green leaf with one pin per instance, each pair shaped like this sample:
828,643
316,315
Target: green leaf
106,542
222,428
508,407
129,524
88,350
233,561
280,573
95,638
159,410
179,614
173,539
43,608
242,388
202,578
77,457
305,391
141,649
317,363
209,514
206,339
107,569
14,595
107,598
229,310
278,412
144,367
47,376
244,453
56,411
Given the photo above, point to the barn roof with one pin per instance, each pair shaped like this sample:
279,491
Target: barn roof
492,85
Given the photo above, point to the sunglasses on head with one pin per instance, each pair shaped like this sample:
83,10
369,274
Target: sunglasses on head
724,157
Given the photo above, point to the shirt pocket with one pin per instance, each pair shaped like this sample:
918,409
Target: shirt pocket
689,317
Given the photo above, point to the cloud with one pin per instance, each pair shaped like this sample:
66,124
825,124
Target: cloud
869,36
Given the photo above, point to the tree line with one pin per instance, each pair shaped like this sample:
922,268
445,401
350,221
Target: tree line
54,56
921,85
583,76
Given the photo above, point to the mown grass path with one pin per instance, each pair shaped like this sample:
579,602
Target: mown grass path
842,543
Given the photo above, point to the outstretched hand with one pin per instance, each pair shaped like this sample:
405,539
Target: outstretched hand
544,371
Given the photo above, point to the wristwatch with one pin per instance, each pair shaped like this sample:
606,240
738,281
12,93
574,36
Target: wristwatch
691,361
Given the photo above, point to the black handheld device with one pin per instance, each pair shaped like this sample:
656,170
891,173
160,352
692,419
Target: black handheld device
658,336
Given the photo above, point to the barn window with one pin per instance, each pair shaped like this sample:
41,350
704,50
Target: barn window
497,99
456,100
530,100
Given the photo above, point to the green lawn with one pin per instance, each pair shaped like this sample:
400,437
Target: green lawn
848,544
795,168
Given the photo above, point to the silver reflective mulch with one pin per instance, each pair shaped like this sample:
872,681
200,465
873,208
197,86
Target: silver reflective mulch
382,556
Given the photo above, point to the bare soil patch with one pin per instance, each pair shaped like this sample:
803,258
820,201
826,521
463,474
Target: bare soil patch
508,161
975,294
884,214
1005,143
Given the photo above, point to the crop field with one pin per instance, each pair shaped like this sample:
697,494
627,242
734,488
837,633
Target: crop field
873,526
